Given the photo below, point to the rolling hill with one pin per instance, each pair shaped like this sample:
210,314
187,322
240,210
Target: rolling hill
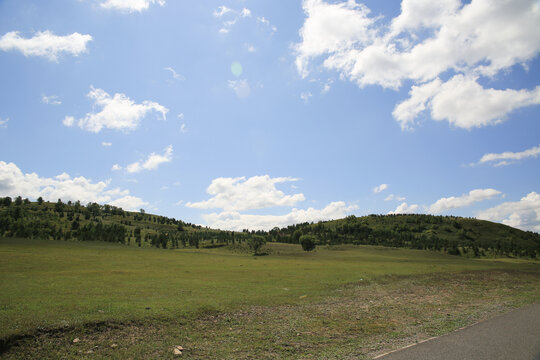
74,221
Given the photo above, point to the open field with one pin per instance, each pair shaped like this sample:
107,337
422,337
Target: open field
341,302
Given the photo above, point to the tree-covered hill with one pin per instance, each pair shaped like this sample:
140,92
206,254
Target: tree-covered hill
456,235
93,222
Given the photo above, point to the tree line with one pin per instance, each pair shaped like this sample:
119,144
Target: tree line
94,222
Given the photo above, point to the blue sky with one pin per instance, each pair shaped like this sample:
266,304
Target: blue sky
254,114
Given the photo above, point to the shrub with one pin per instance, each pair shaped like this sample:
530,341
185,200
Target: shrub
308,242
255,243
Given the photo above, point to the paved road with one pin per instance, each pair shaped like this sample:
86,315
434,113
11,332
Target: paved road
515,335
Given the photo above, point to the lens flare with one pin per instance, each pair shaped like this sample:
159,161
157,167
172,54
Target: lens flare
236,68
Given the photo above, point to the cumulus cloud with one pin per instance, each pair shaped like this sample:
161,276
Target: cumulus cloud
464,200
233,220
106,144
129,202
378,189
152,161
463,102
116,112
257,192
13,182
51,100
3,122
508,157
241,87
405,209
45,44
116,167
523,214
183,128
130,6
426,40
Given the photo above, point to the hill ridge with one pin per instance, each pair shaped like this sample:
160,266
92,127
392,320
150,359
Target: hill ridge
454,235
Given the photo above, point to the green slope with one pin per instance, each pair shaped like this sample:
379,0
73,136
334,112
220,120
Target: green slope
73,221
466,236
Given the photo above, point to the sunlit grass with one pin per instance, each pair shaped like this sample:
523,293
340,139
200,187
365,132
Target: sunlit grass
49,284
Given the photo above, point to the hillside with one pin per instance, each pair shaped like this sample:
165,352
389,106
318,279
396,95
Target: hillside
456,235
74,221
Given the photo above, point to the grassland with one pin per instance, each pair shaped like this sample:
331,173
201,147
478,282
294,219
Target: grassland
337,302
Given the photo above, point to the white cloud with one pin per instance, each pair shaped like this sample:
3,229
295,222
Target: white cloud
130,5
183,128
106,144
152,162
523,214
3,122
13,182
245,13
453,202
378,189
116,167
394,197
51,100
221,10
428,39
405,209
257,192
266,22
305,96
509,157
417,14
45,44
175,75
234,16
463,102
129,203
117,112
250,48
68,121
241,87
181,116
327,86
331,28
232,220
263,20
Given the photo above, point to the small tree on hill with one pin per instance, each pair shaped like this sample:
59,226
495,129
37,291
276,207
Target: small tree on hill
308,242
255,243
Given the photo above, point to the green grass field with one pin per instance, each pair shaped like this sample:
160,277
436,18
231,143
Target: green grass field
341,302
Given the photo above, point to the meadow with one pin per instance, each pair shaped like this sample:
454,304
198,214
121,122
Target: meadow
338,302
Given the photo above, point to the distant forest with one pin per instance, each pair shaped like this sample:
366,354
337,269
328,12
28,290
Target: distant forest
470,237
